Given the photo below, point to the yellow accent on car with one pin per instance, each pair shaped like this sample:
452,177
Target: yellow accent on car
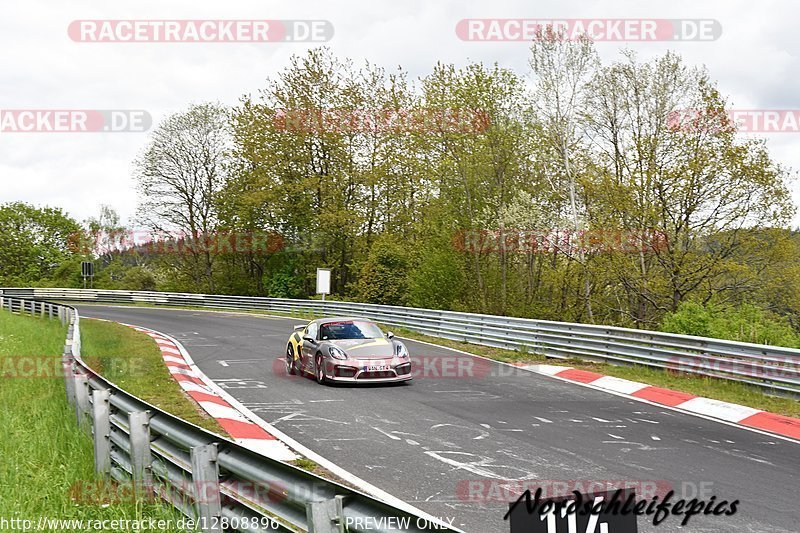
376,342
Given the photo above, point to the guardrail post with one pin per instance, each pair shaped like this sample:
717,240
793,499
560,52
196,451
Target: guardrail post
141,458
326,516
82,407
101,428
69,380
205,478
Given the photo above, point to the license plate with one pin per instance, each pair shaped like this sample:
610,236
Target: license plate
377,368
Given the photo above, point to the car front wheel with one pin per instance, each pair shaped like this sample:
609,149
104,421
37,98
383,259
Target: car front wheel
291,364
320,370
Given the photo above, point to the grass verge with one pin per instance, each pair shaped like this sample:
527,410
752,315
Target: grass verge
132,360
46,465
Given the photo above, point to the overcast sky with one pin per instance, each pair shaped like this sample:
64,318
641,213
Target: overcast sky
754,61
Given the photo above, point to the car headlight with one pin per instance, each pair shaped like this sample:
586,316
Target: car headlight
401,351
336,353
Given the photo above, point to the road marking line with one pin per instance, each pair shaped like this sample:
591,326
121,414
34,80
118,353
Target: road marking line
393,437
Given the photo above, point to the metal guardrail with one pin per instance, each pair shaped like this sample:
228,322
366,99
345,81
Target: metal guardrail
775,369
218,484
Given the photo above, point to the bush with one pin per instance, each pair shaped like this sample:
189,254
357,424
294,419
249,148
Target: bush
138,279
691,318
745,323
437,280
286,282
383,276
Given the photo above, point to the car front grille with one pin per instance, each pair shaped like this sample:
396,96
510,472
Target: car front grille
377,375
345,371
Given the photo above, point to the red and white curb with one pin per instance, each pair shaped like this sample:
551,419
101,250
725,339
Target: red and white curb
239,426
729,412
783,427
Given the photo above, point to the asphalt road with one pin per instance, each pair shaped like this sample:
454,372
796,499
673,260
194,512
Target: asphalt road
446,443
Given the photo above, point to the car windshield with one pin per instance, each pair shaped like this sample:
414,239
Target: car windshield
349,329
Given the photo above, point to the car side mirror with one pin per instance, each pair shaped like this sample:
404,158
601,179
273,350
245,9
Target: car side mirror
389,335
309,339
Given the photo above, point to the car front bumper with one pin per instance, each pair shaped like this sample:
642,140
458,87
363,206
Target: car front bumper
350,373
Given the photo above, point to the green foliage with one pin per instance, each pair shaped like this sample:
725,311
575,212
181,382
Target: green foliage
744,323
33,242
437,279
691,318
138,279
695,213
383,275
286,282
66,274
179,175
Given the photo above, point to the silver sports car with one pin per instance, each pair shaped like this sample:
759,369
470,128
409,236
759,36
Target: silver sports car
347,350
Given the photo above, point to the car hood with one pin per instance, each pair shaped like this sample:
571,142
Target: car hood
366,348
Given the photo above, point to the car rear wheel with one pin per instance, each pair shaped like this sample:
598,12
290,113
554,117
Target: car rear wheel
320,370
291,364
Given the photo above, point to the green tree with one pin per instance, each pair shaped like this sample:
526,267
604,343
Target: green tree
476,173
437,279
179,175
34,242
700,188
305,169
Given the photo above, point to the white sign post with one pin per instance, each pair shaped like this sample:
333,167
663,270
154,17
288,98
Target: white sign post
323,282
